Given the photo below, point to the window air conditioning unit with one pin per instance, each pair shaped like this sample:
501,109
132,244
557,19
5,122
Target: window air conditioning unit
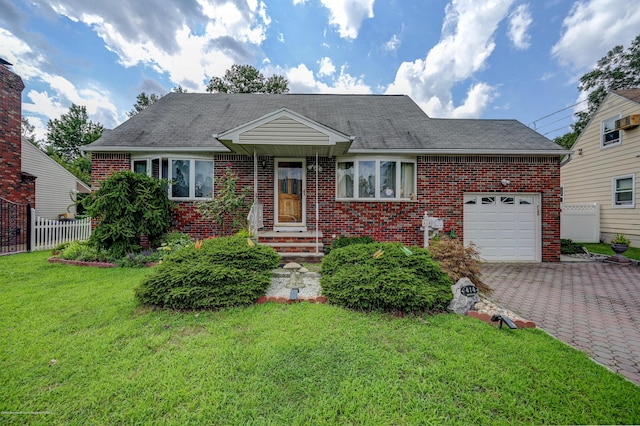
628,122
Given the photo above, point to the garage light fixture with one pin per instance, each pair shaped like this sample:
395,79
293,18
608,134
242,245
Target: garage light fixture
505,182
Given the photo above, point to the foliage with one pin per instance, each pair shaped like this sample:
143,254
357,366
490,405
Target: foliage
173,241
360,277
142,259
26,129
343,241
567,246
71,131
80,167
143,101
312,363
618,69
128,205
228,204
247,79
458,261
222,272
83,251
620,239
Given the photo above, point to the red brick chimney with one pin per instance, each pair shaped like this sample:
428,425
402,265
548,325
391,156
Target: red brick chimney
15,185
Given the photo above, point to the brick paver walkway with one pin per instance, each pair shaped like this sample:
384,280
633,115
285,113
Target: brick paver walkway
593,306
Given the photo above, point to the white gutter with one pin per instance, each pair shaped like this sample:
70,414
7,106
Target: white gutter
460,152
125,149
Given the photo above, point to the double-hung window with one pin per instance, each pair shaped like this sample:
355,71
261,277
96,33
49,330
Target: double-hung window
188,178
610,136
623,191
376,179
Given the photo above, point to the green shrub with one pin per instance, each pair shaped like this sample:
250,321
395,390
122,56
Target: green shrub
174,240
83,251
128,205
567,246
396,281
343,241
142,259
223,272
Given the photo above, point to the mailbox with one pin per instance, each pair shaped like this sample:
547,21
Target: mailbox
431,226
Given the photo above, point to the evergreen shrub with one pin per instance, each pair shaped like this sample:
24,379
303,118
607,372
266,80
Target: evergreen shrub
214,273
343,241
395,281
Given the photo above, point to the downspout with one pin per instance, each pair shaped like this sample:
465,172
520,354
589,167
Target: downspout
317,213
255,177
568,158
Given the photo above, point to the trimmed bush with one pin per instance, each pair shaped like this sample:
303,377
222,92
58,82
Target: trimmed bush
395,281
458,261
222,272
343,241
567,246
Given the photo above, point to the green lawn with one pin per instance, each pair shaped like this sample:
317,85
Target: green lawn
116,363
632,253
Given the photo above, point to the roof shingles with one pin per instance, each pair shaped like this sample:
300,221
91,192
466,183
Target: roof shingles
377,123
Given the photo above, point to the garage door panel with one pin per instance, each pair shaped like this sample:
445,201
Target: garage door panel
506,230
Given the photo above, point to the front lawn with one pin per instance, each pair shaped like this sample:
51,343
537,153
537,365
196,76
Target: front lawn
75,349
600,248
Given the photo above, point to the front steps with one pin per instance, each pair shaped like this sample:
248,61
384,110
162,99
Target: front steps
294,246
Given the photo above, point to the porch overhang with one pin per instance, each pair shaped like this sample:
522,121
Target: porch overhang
285,133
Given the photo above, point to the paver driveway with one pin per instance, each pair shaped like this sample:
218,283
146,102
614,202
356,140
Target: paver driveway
593,306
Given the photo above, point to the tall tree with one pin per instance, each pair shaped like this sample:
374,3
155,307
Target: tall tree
618,69
142,102
72,130
247,79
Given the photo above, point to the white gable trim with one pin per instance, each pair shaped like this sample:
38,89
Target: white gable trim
333,137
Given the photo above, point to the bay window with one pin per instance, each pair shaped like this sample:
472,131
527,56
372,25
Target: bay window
376,179
188,178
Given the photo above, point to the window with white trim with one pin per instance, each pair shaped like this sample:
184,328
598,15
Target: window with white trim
189,178
610,136
623,191
376,179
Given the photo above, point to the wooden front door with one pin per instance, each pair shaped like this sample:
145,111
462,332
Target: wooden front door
290,193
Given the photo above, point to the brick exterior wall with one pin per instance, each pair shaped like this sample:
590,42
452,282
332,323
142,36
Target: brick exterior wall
15,185
442,182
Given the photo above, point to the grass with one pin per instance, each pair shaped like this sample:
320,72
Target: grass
274,364
601,248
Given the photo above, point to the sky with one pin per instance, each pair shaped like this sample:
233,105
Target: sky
489,59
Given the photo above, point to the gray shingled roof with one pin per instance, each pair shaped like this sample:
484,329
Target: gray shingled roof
382,123
631,94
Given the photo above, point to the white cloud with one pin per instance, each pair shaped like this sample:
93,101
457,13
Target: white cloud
302,80
227,32
348,15
58,92
326,67
393,44
592,28
464,48
519,22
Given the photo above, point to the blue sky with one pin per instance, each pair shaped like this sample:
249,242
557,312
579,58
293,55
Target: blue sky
455,58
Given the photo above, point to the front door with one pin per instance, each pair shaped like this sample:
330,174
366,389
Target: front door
290,193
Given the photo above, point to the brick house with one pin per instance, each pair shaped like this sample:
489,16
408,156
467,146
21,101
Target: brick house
15,185
323,166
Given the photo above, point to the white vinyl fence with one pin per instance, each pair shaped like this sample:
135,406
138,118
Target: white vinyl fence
580,222
47,233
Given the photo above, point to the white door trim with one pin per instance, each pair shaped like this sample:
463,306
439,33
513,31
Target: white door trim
289,227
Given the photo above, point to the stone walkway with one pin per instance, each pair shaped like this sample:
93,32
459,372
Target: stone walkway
593,306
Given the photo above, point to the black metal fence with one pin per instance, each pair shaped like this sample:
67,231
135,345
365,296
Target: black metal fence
15,227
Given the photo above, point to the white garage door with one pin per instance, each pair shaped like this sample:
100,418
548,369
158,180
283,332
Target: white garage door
504,227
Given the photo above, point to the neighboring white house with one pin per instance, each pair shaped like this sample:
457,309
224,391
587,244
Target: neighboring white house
605,167
56,187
